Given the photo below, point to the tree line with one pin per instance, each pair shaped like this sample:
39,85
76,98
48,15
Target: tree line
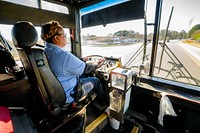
194,33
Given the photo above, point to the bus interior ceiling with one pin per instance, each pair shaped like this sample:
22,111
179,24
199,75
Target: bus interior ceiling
156,105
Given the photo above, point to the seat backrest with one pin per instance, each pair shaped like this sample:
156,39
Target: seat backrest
36,66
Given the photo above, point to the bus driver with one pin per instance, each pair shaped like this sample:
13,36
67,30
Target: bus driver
67,67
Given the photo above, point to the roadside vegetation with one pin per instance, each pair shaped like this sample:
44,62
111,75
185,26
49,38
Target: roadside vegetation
125,37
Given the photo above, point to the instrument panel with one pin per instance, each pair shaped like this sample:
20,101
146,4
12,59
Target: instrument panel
109,64
105,67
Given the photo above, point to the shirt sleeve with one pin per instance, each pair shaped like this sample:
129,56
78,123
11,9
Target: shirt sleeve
73,65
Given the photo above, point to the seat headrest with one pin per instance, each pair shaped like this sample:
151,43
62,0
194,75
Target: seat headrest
24,34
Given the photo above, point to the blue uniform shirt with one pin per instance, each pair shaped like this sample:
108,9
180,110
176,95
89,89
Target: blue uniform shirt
65,66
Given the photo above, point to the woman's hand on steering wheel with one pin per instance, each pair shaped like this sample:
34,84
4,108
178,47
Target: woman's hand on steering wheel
85,59
95,60
100,62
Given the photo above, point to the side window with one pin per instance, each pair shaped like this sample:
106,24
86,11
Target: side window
6,36
67,47
179,47
6,33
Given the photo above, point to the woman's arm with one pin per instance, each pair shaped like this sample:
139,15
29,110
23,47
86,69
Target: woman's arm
89,68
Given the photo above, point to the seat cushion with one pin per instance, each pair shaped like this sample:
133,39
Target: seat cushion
5,121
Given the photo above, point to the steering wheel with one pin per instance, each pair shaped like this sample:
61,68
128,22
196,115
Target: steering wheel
94,59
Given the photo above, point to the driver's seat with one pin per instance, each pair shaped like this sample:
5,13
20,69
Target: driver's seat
43,81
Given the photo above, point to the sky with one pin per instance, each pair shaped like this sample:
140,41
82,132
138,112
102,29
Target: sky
185,15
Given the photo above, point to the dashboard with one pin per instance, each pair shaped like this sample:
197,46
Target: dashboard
105,67
109,64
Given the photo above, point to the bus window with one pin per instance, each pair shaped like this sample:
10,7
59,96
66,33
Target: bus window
68,46
116,40
124,39
6,33
178,50
41,42
44,5
54,7
30,3
178,54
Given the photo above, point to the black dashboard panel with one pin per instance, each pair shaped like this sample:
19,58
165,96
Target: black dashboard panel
109,64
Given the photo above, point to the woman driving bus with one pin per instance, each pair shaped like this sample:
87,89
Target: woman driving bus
67,67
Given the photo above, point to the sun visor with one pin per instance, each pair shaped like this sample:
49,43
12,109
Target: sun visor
129,10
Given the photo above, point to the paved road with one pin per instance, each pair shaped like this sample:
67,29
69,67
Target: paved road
186,57
183,56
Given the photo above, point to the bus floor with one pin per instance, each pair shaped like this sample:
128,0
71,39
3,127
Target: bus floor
130,126
97,121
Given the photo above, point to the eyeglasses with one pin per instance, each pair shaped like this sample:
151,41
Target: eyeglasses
64,34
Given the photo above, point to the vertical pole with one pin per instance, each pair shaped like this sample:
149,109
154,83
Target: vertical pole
145,38
76,45
39,4
155,36
165,40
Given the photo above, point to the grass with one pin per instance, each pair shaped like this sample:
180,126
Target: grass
192,42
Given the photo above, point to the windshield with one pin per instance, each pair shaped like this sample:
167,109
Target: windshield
178,52
114,40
